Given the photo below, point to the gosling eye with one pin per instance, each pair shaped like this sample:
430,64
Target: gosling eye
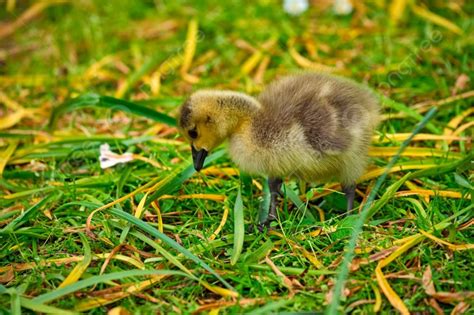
193,133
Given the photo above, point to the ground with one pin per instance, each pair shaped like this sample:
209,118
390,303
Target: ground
151,235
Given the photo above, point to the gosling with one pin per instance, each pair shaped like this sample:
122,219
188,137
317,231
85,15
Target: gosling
313,127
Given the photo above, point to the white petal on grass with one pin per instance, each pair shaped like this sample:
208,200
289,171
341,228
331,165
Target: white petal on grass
342,7
108,158
295,7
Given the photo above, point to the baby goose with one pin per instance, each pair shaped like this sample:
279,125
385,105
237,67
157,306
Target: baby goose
311,126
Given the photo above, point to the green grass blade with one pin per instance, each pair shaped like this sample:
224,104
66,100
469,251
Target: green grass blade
343,271
293,271
270,308
25,216
299,203
239,230
409,112
259,253
164,252
58,293
96,100
15,304
154,232
133,79
175,182
389,192
445,168
42,308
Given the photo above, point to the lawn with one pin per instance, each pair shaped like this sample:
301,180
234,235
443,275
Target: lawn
153,236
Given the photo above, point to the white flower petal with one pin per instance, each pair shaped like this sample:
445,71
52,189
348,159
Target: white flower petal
295,7
108,158
342,7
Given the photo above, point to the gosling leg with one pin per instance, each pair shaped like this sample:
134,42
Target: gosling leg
275,190
349,191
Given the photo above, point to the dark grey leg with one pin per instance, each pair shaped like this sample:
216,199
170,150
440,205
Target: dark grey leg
349,190
275,190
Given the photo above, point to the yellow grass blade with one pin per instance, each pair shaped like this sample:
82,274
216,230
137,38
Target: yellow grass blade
158,215
396,10
149,161
130,260
411,151
214,197
222,171
123,198
436,19
314,233
6,154
81,267
155,83
378,298
95,68
413,187
257,184
8,102
10,6
222,223
311,257
218,290
387,290
170,64
454,123
463,127
428,192
451,246
426,105
12,119
306,63
399,137
405,239
69,260
190,46
118,310
214,311
374,173
250,64
27,80
94,302
141,206
262,67
32,12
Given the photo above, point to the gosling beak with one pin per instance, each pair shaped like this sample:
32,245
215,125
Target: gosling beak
198,158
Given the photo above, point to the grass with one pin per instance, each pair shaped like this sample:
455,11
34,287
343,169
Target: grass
76,75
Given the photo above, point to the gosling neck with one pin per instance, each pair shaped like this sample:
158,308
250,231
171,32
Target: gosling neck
240,108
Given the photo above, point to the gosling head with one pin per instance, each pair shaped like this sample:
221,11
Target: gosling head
207,118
